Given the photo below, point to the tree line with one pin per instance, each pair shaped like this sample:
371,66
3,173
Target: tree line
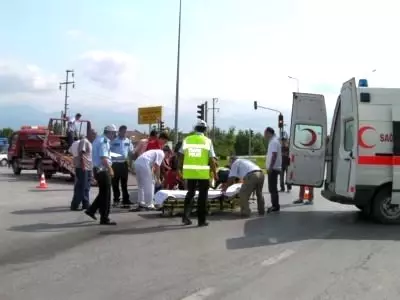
232,141
226,142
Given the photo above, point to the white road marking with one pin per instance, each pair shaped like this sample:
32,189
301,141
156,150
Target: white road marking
200,295
275,259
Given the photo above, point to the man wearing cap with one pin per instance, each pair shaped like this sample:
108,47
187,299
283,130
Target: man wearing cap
253,181
274,166
121,145
103,172
198,157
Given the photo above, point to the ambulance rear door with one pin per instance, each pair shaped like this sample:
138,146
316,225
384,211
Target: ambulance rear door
308,132
348,150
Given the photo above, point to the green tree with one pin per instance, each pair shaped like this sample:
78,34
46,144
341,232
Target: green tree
224,142
6,132
242,142
259,145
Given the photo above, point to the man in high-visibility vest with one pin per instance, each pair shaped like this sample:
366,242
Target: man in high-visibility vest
198,158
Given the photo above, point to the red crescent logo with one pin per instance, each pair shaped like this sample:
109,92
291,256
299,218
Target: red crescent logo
313,138
361,133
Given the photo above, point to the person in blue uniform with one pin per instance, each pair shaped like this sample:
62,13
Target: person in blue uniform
123,146
103,172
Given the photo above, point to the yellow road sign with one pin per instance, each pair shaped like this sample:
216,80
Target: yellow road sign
149,115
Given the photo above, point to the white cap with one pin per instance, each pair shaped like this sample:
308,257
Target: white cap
111,128
201,123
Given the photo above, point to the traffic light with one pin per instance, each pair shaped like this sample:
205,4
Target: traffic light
255,105
280,121
200,112
162,126
251,133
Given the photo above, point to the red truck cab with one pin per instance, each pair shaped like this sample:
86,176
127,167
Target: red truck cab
26,148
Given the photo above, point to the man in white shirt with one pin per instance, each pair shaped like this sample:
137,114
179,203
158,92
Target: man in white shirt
74,148
71,128
273,166
147,167
253,181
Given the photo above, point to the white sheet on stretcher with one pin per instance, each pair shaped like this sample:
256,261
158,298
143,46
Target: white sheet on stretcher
163,195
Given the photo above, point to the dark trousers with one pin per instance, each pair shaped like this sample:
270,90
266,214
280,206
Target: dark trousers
121,173
203,186
273,187
70,138
283,174
83,179
103,199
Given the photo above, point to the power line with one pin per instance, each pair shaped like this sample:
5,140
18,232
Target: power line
67,83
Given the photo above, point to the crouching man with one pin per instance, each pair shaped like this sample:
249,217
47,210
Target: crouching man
253,181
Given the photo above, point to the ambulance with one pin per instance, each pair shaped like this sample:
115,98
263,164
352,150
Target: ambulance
359,164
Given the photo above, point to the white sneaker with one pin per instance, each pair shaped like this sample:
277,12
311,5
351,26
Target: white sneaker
151,206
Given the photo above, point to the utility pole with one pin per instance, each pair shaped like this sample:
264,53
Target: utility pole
206,111
178,62
67,83
214,100
250,143
251,132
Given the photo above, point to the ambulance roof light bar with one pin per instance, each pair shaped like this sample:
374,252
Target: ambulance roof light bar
363,83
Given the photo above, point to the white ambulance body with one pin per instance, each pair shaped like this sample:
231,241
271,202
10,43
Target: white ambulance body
362,156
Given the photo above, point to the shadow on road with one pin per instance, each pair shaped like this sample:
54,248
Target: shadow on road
292,226
45,210
145,230
43,227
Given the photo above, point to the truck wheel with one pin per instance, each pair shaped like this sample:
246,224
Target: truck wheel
383,210
3,162
16,169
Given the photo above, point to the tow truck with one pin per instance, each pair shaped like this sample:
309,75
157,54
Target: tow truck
44,148
55,147
26,149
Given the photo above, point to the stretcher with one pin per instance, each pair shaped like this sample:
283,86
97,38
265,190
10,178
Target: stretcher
171,202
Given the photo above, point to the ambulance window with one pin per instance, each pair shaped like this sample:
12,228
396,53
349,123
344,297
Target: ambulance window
348,135
308,136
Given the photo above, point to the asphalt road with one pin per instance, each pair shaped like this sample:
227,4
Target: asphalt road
323,251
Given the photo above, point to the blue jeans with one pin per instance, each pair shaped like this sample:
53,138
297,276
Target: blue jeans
83,179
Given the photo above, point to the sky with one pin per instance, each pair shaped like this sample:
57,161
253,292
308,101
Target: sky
124,56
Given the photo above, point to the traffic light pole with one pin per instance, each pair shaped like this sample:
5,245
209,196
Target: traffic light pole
250,138
206,112
256,106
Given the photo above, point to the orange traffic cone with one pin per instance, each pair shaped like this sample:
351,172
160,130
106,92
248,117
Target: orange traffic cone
42,182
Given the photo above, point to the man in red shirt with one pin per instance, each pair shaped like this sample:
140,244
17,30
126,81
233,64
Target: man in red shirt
155,142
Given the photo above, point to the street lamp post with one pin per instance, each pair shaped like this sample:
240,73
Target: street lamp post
176,138
297,81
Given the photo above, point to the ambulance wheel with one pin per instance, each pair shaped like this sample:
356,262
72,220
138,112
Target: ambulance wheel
382,209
